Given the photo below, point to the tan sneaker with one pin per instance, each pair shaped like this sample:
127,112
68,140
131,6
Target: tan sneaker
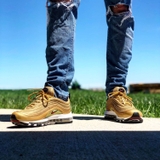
45,109
120,107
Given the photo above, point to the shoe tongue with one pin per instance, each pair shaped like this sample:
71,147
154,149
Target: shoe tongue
120,89
49,90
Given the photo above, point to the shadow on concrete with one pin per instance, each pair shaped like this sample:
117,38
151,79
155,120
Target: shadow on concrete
83,145
88,117
5,118
100,118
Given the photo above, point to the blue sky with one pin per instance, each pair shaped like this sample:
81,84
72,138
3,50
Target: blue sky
23,42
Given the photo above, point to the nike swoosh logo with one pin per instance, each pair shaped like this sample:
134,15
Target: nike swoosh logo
54,111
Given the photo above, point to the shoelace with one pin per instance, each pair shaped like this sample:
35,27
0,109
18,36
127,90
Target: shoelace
36,97
122,96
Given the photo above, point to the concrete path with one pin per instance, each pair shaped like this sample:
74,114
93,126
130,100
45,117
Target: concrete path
87,138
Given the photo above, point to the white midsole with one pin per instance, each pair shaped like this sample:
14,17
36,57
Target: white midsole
60,116
111,113
57,116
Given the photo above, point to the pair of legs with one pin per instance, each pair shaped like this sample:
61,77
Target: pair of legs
60,43
52,104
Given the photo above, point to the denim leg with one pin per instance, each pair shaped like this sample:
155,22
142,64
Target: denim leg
60,45
119,44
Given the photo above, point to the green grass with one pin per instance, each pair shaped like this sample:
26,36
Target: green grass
149,104
14,99
88,102
84,101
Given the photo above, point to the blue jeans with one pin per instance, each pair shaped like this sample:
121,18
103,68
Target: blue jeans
60,45
119,44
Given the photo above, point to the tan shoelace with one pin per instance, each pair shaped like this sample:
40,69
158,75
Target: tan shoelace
38,97
121,96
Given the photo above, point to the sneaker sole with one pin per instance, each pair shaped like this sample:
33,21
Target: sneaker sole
55,119
135,118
